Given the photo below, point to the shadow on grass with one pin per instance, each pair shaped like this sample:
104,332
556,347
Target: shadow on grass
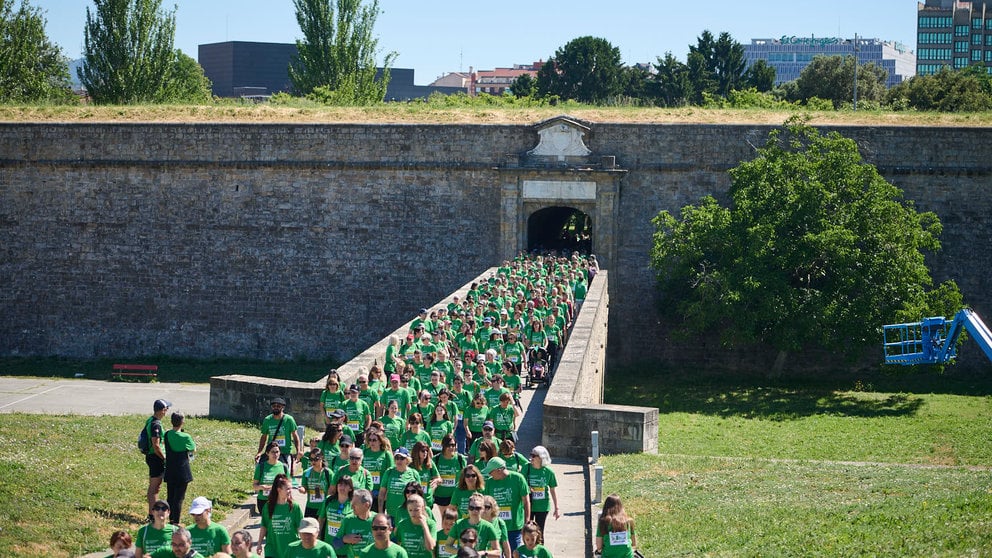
115,516
865,395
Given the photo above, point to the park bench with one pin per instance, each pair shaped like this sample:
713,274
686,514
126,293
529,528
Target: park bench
122,371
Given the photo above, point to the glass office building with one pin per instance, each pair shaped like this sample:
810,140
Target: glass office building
954,34
789,55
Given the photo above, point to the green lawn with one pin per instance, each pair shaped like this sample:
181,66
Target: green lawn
68,482
810,468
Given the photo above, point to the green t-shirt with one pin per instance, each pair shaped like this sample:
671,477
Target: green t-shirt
502,417
392,551
539,551
266,473
394,428
281,528
540,481
358,414
475,417
486,531
334,512
509,494
285,435
474,450
150,539
354,525
617,544
168,553
437,431
331,401
320,550
492,396
448,469
376,463
360,478
411,537
209,541
316,485
394,482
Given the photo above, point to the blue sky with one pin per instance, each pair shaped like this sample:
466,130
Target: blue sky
438,36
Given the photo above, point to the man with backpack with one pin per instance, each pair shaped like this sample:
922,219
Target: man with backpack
280,427
150,443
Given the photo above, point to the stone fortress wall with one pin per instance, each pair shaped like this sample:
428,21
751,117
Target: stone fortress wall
281,241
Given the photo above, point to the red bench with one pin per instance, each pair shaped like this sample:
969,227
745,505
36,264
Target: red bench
121,371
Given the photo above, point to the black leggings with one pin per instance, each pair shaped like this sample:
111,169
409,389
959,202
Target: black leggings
175,496
540,518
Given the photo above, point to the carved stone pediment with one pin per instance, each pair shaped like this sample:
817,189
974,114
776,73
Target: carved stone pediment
560,138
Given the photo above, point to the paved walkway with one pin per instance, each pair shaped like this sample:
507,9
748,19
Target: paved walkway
566,537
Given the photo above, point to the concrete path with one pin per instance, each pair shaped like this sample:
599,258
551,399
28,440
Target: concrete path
566,538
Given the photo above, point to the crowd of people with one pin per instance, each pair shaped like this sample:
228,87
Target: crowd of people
418,457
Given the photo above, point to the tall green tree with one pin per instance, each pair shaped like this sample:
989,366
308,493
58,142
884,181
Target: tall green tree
672,85
716,65
338,52
760,76
32,68
816,249
587,69
128,51
188,84
832,78
524,85
966,90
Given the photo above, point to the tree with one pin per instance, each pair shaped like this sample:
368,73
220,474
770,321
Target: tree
128,51
524,85
832,78
815,250
32,69
760,76
338,52
673,87
716,65
967,90
188,83
587,69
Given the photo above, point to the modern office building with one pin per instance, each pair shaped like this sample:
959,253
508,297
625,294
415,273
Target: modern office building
789,55
954,34
257,70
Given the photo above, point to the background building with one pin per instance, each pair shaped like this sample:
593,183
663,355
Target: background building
254,70
953,34
789,55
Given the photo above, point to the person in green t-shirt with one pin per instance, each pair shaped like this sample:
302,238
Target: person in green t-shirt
394,481
487,536
356,529
281,518
510,490
157,534
531,548
381,546
208,538
615,535
266,472
542,482
309,546
416,533
315,483
180,547
332,397
241,545
280,427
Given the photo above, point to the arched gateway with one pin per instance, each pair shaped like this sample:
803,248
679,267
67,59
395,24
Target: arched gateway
560,195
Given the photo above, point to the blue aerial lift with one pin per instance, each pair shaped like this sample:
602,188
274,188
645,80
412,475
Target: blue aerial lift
934,340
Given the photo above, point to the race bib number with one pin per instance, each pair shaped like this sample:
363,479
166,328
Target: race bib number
504,514
376,478
619,538
537,493
316,498
281,441
332,526
447,480
353,424
436,445
514,359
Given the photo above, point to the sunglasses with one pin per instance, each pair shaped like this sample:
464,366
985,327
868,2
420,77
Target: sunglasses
475,508
471,475
379,527
468,541
160,508
489,507
354,458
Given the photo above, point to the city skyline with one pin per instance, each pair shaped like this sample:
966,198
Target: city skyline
444,36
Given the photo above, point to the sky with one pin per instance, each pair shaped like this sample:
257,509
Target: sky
435,37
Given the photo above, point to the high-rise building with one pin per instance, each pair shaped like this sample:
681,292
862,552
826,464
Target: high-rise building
953,34
789,55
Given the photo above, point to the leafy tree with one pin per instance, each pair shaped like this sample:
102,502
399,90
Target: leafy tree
815,250
636,83
587,69
524,85
673,87
832,78
128,51
188,83
760,76
32,68
338,52
719,66
967,90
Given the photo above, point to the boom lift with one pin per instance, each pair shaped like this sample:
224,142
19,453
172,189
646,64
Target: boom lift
934,340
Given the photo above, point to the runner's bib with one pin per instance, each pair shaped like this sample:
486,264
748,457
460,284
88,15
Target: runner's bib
619,538
537,493
505,514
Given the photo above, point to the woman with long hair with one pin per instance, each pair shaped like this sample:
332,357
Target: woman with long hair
377,459
332,397
490,512
415,431
336,509
266,471
533,546
423,464
615,535
470,481
440,426
281,519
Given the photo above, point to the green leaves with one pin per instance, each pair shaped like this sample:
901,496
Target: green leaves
587,69
32,68
815,250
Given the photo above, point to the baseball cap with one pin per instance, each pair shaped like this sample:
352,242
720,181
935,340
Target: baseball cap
309,525
200,505
162,404
402,451
494,464
488,424
278,401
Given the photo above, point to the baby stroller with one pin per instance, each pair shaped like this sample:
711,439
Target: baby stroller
538,372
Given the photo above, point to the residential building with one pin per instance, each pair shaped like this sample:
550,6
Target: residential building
953,34
789,55
498,81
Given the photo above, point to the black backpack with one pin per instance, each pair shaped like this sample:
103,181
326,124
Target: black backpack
144,442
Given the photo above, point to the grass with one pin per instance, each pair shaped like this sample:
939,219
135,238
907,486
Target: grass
171,369
68,482
301,111
810,467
